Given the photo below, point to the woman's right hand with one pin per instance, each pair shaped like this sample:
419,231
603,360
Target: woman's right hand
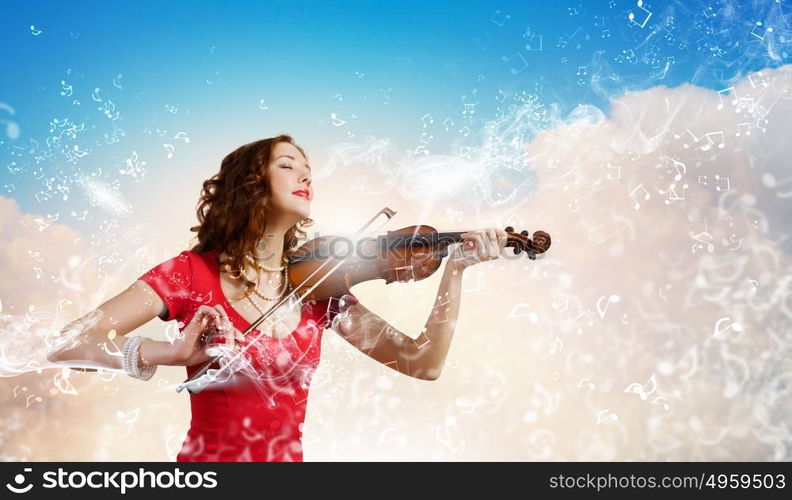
209,327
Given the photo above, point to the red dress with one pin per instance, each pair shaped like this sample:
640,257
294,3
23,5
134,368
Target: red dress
258,415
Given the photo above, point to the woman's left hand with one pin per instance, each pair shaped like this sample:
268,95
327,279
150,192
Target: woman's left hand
479,245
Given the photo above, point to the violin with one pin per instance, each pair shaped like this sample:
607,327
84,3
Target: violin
411,253
318,272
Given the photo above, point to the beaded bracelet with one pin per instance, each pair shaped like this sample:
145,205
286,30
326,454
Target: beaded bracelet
130,359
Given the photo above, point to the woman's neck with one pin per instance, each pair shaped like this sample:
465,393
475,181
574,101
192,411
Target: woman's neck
269,250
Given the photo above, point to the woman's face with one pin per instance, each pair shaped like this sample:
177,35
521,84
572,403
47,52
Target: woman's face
290,182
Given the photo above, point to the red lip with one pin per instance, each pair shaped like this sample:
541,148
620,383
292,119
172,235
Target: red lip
302,192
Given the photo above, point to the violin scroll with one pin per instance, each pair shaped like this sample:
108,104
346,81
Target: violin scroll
522,242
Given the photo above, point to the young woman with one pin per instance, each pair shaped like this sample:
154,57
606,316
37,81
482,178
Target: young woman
250,216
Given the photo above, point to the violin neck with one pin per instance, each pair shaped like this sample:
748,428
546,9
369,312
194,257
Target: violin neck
433,239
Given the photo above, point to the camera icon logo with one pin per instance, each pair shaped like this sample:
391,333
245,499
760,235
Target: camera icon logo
19,479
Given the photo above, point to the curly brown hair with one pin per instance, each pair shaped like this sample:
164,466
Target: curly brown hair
232,210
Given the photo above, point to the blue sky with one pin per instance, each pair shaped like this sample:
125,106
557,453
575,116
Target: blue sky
98,99
226,73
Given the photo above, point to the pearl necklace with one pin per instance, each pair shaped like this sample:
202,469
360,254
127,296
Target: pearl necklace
264,267
284,279
283,286
270,298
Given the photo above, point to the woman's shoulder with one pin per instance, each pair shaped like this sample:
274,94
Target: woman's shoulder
201,262
184,264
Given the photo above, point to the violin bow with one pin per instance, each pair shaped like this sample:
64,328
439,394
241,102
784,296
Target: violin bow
204,376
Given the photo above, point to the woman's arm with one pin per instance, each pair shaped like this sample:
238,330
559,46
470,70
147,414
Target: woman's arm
95,340
424,356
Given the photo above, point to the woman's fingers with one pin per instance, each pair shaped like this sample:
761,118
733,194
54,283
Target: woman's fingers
226,328
206,317
483,244
226,322
492,243
478,244
503,237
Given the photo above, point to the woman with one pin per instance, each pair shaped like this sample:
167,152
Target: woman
251,214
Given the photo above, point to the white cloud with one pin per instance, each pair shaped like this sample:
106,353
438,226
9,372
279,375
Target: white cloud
645,334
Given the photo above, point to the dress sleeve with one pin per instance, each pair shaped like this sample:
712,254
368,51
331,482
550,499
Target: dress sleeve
172,280
328,309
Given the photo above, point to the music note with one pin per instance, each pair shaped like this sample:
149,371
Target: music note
447,124
66,89
747,127
427,119
391,430
557,346
703,238
770,181
35,399
522,310
710,142
12,129
183,136
559,306
642,390
535,42
719,178
515,70
169,150
748,104
662,401
680,168
688,144
672,193
759,25
618,171
613,299
631,16
663,292
588,318
737,327
443,437
646,196
498,19
129,417
34,31
604,416
585,382
61,381
336,121
735,99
